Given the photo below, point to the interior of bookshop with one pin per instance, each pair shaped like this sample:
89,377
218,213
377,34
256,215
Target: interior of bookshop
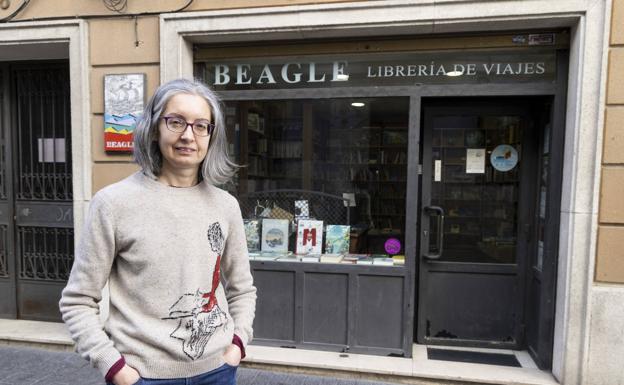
323,180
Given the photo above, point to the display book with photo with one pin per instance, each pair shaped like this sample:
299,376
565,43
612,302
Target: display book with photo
337,238
274,237
252,234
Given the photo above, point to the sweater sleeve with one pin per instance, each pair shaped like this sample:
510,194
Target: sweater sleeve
79,301
239,289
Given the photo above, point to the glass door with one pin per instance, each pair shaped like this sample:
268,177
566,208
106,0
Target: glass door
475,222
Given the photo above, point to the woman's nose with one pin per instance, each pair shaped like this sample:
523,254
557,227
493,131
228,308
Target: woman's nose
188,133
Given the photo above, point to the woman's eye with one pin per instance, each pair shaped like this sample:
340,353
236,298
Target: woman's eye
201,126
176,122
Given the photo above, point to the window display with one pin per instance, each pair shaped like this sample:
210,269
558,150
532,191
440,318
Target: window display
340,162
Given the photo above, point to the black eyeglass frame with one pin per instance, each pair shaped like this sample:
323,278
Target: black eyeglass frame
211,126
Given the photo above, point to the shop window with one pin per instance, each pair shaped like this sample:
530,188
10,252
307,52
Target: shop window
339,161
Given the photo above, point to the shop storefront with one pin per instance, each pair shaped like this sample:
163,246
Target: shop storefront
442,155
496,191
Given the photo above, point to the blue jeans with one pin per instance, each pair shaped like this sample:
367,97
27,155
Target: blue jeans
223,375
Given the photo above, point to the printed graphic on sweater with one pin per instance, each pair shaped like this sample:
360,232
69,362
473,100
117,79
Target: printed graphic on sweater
199,313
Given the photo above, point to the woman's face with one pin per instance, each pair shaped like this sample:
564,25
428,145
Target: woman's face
183,150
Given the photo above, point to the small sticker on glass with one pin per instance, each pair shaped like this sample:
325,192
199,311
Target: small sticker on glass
504,158
437,170
475,160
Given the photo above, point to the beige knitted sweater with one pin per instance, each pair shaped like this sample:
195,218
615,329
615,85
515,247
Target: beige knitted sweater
179,277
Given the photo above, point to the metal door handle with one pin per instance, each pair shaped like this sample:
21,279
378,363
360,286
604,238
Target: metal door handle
440,238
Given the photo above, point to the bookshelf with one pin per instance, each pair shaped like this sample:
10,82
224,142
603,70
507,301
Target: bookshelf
369,158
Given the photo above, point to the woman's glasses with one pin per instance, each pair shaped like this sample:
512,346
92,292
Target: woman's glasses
200,127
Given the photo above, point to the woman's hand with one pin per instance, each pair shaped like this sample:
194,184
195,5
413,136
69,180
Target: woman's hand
232,355
126,376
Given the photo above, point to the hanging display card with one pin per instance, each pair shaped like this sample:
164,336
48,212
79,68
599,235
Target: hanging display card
309,237
302,209
275,235
475,161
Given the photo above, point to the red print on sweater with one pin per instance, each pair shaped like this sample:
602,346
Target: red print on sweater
199,313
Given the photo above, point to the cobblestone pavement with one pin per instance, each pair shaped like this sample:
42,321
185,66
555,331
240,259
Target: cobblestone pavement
27,366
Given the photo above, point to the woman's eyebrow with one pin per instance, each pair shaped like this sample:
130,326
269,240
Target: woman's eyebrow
183,117
174,114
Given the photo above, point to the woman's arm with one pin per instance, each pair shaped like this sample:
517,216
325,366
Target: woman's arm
79,302
239,288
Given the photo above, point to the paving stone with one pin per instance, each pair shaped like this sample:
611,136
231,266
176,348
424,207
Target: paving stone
27,366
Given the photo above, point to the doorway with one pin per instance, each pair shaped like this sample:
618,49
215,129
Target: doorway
36,193
484,163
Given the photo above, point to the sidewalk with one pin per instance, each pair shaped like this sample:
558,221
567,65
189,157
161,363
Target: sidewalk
286,364
28,366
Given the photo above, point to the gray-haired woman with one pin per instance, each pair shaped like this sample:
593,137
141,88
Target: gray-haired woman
163,238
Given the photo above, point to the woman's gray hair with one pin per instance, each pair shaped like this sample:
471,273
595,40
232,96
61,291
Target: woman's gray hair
217,168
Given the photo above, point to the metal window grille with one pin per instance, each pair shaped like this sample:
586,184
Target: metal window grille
47,253
43,134
331,209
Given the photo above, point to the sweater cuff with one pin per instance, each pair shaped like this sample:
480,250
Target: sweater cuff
236,340
106,360
115,369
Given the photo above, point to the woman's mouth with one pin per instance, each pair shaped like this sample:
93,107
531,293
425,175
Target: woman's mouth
185,150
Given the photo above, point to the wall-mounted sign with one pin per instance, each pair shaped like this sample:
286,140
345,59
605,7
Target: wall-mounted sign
504,158
380,69
123,105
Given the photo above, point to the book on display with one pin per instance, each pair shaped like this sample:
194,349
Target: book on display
331,258
309,236
383,261
252,234
275,235
310,258
337,239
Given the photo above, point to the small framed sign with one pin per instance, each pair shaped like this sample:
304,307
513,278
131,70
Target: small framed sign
124,98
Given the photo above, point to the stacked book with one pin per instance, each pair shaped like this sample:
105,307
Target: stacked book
331,258
382,260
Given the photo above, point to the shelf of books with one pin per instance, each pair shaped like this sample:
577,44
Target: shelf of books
368,158
314,242
269,145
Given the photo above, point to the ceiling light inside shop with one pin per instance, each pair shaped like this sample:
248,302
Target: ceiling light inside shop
342,77
454,73
358,104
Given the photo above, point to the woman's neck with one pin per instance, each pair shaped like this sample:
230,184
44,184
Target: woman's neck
179,179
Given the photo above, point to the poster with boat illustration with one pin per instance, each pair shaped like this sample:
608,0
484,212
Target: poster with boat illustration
123,105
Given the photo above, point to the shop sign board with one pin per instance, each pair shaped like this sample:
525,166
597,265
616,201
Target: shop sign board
380,70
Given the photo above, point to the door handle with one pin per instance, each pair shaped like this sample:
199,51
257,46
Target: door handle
440,238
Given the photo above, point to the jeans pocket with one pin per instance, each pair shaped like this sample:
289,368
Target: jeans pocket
139,381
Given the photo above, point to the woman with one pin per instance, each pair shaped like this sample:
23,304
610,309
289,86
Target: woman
163,238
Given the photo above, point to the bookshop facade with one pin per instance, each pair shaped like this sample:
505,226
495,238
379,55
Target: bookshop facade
399,190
